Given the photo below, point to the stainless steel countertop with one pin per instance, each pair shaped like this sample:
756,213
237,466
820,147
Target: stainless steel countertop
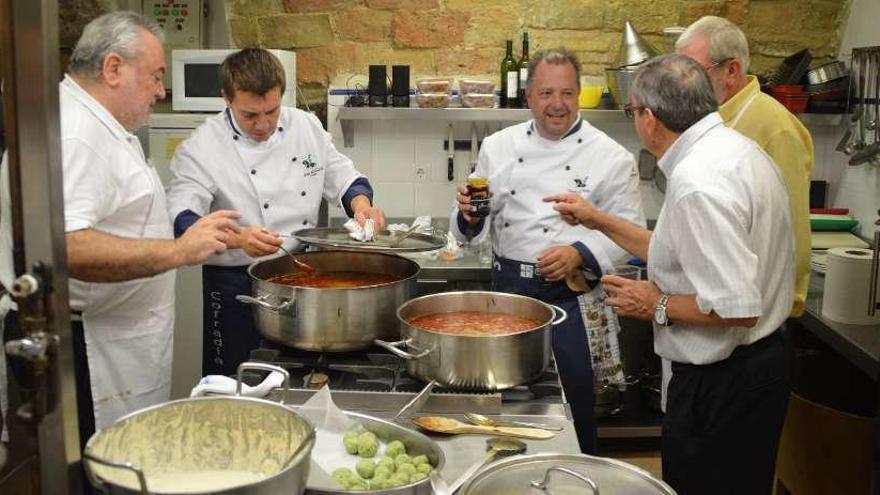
859,344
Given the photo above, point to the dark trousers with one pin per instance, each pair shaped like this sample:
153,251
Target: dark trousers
723,420
229,333
570,347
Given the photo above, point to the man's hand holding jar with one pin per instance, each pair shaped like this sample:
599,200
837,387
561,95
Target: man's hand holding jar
473,199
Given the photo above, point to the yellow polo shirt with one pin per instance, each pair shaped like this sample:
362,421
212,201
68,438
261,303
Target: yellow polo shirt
787,141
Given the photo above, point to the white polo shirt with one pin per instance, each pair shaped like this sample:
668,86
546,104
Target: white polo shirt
725,234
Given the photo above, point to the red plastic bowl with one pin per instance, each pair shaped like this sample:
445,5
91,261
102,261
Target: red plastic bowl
793,102
787,89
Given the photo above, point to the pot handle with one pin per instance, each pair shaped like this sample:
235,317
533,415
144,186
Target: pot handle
100,485
561,311
264,367
261,302
394,348
542,484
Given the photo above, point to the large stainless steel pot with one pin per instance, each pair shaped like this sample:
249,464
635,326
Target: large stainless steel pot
330,319
482,362
218,445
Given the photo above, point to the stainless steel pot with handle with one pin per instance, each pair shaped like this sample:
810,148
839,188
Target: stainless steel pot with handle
218,445
330,319
476,362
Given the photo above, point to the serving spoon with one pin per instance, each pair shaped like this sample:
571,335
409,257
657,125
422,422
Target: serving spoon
479,419
299,264
495,446
440,424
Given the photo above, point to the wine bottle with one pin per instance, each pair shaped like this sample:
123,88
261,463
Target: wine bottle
523,71
509,78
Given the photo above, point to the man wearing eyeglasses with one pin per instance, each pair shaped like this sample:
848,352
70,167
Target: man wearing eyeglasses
721,279
721,48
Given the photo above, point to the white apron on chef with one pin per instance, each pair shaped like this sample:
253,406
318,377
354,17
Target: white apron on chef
128,326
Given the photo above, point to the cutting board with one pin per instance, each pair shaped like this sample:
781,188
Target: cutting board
828,240
820,221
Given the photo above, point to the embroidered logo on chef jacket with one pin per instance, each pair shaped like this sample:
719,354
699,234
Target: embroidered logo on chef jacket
311,166
582,185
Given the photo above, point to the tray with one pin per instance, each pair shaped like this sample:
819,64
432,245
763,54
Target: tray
329,237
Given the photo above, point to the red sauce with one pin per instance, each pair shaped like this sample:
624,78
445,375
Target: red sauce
334,279
474,323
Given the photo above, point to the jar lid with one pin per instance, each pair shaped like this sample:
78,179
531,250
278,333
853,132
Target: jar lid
564,474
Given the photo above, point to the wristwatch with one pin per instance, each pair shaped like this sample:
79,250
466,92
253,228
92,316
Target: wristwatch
660,311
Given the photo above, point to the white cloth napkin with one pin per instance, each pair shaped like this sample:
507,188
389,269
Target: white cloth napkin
358,233
423,224
223,385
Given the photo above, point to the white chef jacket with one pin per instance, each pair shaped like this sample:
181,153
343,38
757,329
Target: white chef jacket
110,187
277,184
523,167
725,234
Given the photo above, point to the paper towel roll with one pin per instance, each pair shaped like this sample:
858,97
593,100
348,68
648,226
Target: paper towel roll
847,278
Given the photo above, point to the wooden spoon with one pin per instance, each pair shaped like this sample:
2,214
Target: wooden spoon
440,424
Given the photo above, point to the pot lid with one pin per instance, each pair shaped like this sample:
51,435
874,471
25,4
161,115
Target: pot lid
564,474
330,237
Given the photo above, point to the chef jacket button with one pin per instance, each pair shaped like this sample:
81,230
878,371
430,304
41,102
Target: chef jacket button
506,224
567,167
253,172
235,137
545,230
305,222
302,193
513,192
520,160
528,133
580,140
266,205
280,129
293,159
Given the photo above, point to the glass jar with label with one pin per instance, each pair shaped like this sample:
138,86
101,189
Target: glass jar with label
478,190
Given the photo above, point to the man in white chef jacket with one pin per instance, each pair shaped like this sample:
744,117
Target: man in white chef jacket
536,253
272,163
722,278
121,252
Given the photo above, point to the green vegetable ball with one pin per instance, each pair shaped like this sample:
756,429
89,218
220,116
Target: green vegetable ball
417,477
424,468
398,479
380,483
342,476
384,471
407,469
387,462
368,445
420,459
365,468
395,448
357,484
350,440
402,459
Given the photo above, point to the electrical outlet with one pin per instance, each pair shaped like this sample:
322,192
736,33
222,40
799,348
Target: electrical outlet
423,173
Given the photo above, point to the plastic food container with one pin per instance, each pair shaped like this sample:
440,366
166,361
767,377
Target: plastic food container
429,86
476,100
432,100
795,103
476,86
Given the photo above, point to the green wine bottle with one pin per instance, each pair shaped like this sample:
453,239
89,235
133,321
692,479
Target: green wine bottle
524,71
509,78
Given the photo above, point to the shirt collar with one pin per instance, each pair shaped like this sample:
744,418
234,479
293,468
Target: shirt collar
241,137
96,108
686,141
730,108
576,126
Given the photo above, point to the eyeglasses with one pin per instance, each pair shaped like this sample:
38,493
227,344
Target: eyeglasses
715,65
629,110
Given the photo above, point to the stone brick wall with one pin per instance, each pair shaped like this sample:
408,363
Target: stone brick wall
337,39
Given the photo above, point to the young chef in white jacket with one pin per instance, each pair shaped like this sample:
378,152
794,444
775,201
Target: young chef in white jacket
535,250
121,253
273,164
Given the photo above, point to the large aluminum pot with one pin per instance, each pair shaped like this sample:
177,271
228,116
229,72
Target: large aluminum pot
319,319
476,362
218,445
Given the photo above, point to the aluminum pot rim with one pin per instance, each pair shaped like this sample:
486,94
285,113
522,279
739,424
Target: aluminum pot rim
542,326
302,452
255,278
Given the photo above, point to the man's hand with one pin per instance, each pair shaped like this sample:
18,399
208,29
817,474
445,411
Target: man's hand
206,237
576,210
255,241
633,298
463,198
557,262
363,210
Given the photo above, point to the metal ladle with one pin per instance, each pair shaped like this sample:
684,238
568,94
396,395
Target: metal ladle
496,446
299,264
479,419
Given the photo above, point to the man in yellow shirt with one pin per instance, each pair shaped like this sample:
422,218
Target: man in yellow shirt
722,49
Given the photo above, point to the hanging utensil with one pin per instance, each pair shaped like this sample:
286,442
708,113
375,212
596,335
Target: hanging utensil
479,419
858,77
495,447
440,424
450,154
845,143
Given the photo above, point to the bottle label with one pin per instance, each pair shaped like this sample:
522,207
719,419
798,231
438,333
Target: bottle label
523,76
512,84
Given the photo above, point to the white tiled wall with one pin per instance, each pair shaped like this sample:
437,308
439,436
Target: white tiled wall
407,165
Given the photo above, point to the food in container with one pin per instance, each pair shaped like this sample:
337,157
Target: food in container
477,86
334,279
432,100
478,100
475,323
429,86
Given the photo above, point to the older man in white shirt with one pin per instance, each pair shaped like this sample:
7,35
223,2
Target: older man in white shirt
721,270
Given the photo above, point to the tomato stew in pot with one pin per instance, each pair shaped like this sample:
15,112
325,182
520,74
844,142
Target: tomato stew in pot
474,323
342,279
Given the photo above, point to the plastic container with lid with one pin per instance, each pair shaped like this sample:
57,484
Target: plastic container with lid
477,100
476,86
430,86
432,100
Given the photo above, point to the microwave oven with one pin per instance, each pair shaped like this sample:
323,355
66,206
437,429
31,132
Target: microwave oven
195,79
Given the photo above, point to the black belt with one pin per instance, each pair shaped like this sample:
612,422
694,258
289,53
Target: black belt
739,353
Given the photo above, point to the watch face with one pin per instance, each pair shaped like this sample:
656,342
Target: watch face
660,316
